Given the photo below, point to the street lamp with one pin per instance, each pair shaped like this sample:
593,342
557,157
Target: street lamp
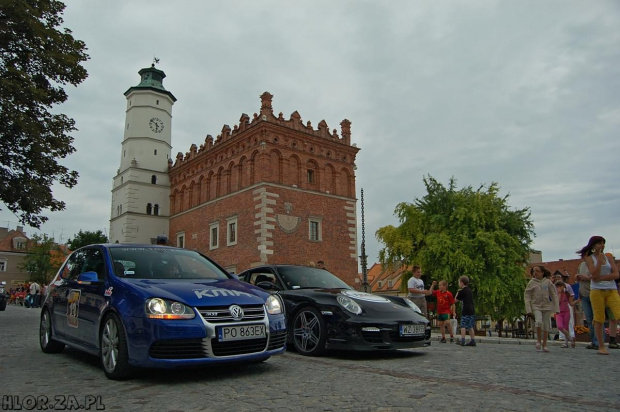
363,257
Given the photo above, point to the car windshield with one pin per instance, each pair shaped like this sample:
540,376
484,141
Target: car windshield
296,277
163,263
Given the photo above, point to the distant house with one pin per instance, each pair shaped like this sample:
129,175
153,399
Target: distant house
13,250
385,280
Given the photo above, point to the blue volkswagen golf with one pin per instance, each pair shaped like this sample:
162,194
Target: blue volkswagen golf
159,307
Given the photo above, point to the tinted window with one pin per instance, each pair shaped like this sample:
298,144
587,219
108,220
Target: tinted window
306,277
74,265
164,263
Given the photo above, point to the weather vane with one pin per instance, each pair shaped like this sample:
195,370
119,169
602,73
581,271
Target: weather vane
155,60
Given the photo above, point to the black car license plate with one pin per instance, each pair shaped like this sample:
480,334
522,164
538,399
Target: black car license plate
412,330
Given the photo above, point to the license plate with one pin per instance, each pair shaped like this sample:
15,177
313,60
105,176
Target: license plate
241,332
412,330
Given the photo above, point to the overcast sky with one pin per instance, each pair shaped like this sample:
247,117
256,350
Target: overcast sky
525,94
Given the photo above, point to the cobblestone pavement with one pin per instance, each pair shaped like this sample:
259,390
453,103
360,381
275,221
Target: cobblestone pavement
505,376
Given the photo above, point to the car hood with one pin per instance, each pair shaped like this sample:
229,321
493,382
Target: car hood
203,292
373,305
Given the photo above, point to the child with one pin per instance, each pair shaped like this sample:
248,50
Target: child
541,300
445,308
468,314
562,319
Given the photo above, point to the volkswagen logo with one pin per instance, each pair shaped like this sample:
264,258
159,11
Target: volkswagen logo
236,312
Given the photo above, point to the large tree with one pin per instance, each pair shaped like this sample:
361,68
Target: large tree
36,60
42,260
86,238
452,232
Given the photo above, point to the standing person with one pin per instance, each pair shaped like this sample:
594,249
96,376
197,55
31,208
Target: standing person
417,293
34,294
541,300
603,290
468,313
564,277
445,308
162,240
562,319
584,278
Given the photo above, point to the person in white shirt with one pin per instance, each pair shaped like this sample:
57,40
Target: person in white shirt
417,293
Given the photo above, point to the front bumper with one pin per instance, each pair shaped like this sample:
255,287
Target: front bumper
373,337
194,342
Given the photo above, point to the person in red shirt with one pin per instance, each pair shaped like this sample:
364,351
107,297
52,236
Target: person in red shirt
445,308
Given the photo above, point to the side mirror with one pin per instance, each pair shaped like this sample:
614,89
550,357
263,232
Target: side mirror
88,278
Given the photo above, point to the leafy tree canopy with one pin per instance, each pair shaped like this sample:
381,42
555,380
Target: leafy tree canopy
86,238
43,259
36,61
451,233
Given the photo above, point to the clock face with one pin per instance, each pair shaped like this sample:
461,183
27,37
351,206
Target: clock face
156,125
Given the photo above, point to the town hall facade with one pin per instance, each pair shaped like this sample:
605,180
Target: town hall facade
269,190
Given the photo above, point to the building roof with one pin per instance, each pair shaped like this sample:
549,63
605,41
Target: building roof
386,280
7,244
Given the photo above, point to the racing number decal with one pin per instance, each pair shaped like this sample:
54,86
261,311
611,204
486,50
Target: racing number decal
73,307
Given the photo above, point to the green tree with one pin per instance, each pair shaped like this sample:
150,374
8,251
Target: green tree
39,262
86,238
36,61
452,232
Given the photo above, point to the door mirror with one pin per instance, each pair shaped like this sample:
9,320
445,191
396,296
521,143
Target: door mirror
88,278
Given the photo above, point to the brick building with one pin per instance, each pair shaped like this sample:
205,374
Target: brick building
269,190
13,251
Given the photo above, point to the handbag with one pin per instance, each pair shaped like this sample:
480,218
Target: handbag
454,325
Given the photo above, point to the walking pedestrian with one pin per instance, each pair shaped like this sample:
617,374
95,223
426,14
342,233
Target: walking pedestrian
541,300
562,319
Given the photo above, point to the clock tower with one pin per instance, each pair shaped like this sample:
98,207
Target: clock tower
141,187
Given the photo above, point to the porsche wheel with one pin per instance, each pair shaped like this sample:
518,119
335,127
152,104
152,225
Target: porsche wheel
48,345
114,354
309,332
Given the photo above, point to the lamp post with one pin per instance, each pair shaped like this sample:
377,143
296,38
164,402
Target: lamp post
365,286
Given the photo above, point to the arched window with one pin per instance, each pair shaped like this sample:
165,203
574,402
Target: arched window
153,179
156,210
148,208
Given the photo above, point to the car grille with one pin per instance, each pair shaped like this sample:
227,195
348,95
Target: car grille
391,336
222,314
277,340
198,348
179,349
238,347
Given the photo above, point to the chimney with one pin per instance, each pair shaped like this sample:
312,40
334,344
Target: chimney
20,229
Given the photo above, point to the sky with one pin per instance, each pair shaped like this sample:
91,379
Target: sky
525,94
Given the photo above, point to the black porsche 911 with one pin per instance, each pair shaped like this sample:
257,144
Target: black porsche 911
323,312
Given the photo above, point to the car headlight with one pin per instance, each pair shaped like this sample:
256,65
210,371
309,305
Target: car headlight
158,308
349,304
274,305
413,305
